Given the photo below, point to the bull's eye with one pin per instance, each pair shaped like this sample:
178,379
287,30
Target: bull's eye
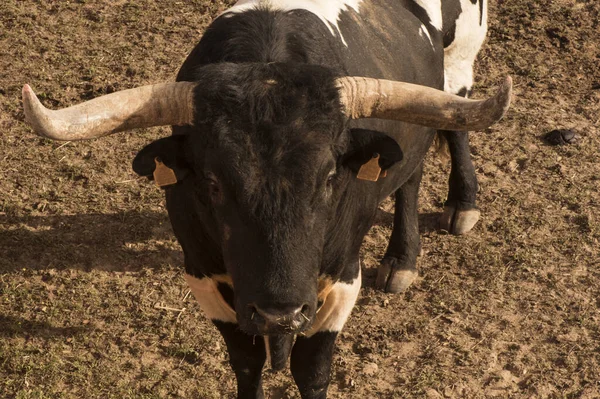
330,180
331,177
214,188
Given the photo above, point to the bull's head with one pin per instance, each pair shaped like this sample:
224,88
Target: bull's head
269,156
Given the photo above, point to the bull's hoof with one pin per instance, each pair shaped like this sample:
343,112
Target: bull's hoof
394,278
459,221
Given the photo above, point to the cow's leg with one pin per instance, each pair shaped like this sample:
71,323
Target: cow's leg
311,364
460,211
398,268
468,33
247,354
313,353
247,357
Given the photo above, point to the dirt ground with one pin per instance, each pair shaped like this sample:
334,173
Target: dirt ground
92,299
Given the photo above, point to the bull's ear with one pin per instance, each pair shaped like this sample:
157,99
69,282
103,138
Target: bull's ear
370,149
171,151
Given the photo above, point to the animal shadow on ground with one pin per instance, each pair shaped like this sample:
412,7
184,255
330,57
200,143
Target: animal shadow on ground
428,222
128,241
15,326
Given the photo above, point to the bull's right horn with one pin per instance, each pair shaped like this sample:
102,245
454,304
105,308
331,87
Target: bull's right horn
146,106
421,105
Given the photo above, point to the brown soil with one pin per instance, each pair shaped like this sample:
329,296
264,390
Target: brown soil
87,257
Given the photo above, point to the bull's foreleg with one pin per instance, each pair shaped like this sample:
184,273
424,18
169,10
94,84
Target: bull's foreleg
398,269
460,212
311,364
313,353
247,357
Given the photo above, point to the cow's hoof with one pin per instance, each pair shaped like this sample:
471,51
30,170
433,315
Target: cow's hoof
459,221
394,278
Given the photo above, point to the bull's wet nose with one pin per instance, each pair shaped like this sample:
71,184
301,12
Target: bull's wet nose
286,319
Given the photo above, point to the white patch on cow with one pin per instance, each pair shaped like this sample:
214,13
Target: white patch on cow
425,33
433,8
337,307
210,299
328,11
460,56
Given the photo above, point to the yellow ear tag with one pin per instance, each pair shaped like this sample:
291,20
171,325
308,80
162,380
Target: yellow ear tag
370,171
163,175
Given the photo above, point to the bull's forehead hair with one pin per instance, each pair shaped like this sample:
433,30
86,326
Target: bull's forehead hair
278,93
278,127
270,110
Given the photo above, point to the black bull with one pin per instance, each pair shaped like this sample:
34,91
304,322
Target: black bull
272,176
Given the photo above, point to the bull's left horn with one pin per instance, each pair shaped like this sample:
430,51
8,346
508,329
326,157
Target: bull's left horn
421,105
146,106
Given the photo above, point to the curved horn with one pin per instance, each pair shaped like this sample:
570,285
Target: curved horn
421,105
153,105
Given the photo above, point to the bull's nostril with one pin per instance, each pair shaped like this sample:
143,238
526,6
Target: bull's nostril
305,311
253,312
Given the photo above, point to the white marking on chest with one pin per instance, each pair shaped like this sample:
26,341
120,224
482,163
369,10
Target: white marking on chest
337,307
328,11
433,8
210,299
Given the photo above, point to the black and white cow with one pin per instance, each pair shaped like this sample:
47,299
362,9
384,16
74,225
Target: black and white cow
286,138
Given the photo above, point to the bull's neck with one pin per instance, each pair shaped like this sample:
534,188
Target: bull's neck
268,36
352,220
